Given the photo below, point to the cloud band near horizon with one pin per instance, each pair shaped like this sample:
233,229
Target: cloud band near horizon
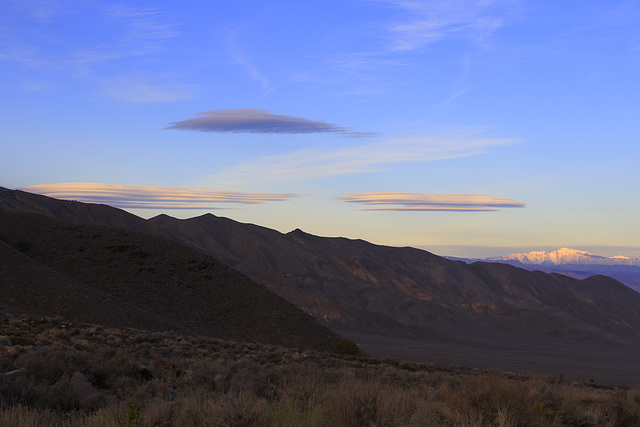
150,197
429,202
253,120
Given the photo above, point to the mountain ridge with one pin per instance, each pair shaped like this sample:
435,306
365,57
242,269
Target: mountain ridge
566,256
361,287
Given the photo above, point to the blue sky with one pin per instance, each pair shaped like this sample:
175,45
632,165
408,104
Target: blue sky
467,128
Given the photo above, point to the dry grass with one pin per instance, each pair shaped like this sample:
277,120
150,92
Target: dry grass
162,379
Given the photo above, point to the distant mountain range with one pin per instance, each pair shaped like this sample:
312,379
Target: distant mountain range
565,256
572,262
356,288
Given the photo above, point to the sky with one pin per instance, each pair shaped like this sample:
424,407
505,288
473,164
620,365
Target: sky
467,128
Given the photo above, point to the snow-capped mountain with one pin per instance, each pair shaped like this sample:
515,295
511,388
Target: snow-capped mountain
565,256
574,263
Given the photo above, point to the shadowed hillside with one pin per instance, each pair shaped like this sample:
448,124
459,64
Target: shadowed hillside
409,303
358,286
116,277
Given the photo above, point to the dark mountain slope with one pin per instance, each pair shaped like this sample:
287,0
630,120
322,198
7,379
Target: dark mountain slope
356,286
559,305
314,273
31,287
123,278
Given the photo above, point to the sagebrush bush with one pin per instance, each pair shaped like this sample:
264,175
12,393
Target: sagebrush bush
489,399
346,347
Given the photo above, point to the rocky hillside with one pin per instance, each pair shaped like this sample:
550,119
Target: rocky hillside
358,286
115,277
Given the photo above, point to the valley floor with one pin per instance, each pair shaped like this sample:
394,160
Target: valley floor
578,361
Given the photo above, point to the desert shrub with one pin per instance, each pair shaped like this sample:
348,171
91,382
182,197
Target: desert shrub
105,417
407,366
233,410
288,414
590,406
133,416
18,336
23,391
21,416
242,409
302,390
346,347
354,403
245,375
489,399
50,364
397,405
159,412
23,333
14,389
627,407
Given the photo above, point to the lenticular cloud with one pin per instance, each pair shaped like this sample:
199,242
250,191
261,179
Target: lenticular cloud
251,120
150,197
391,201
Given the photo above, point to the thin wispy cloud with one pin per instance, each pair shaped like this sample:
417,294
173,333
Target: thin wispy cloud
317,163
427,22
35,86
249,120
145,27
409,26
238,56
134,32
42,11
412,202
139,89
151,197
42,36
